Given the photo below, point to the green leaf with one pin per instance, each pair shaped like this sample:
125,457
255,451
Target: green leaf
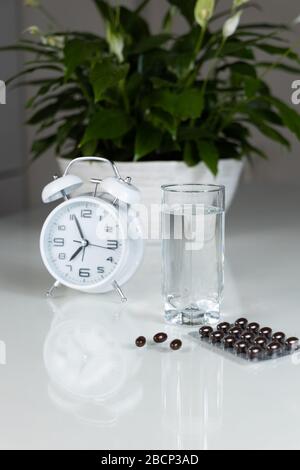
34,48
31,70
248,149
90,148
236,48
107,124
148,140
41,145
280,66
244,69
186,7
186,105
163,120
276,50
190,154
270,132
209,155
107,12
51,109
133,24
77,52
289,116
151,42
107,74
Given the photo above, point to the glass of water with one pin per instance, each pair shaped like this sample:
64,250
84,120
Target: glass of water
192,226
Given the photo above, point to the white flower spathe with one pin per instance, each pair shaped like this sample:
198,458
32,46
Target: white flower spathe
33,30
231,25
116,42
297,20
204,10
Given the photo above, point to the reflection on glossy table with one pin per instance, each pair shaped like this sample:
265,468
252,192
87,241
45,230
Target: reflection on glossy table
73,378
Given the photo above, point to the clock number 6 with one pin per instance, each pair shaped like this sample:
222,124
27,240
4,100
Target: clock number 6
84,272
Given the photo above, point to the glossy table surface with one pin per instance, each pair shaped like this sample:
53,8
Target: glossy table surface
71,378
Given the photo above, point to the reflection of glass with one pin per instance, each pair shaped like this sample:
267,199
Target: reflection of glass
192,411
193,252
88,361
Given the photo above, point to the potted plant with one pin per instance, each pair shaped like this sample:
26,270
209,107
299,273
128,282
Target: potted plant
167,107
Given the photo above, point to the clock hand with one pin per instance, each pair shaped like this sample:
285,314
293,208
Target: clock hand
76,253
97,246
104,247
83,253
79,228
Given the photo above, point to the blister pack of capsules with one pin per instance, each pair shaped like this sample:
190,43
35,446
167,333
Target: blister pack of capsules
249,341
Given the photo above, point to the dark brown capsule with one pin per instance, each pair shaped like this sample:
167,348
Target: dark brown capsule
292,343
254,352
274,347
279,336
229,341
261,341
266,332
160,337
247,336
224,327
241,347
253,327
216,337
235,331
176,344
140,341
205,331
242,323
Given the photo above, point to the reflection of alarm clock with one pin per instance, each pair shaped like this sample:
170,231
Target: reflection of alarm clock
92,243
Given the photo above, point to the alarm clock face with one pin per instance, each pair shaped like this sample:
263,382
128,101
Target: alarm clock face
82,243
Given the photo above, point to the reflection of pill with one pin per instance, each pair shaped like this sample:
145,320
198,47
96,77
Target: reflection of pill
274,347
235,331
241,347
229,341
160,337
253,327
292,343
140,341
205,331
216,337
279,336
266,331
242,323
224,327
248,336
176,344
254,352
261,341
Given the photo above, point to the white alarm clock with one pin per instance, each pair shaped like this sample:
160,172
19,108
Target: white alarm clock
92,243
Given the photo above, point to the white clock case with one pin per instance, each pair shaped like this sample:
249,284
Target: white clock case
132,254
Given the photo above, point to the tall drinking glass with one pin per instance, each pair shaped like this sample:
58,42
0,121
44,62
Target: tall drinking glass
193,219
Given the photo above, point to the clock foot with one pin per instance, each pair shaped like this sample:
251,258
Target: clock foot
119,291
49,293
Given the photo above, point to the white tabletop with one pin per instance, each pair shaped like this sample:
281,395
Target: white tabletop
150,398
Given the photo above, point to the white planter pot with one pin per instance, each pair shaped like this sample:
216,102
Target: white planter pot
150,176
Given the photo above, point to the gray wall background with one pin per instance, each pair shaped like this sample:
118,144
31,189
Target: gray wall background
18,190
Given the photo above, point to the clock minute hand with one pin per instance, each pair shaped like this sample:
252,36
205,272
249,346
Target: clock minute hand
97,246
79,228
76,253
104,247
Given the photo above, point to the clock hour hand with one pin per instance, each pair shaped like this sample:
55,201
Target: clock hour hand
76,253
